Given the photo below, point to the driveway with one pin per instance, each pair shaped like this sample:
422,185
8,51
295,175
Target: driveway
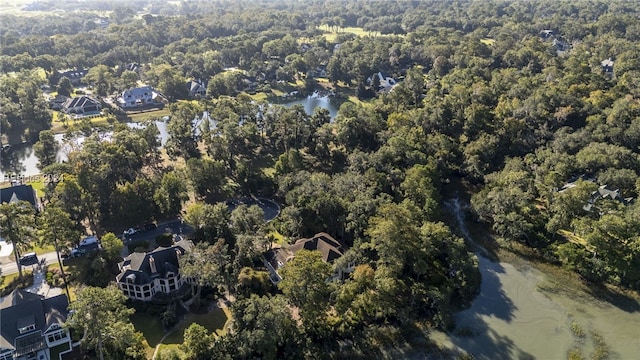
5,249
173,227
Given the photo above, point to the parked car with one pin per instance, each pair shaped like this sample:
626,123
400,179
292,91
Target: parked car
77,253
28,259
129,232
149,226
89,240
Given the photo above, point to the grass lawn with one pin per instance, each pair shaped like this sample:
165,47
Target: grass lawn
151,329
331,35
58,126
488,41
259,96
277,92
278,238
171,347
149,115
213,321
5,279
44,249
576,239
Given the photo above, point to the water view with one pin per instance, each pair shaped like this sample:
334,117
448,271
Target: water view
520,314
21,159
311,102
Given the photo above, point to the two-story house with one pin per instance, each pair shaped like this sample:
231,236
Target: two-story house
136,97
330,249
81,105
32,326
154,275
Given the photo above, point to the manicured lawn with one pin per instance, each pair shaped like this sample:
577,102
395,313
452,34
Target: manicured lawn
5,279
151,329
149,115
58,126
259,96
331,35
213,321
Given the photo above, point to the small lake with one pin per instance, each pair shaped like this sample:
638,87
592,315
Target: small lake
311,102
21,158
519,314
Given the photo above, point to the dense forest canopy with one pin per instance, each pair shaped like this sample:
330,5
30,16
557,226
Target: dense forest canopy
534,105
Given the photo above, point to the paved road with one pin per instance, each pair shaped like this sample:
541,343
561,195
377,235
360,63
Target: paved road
10,267
175,226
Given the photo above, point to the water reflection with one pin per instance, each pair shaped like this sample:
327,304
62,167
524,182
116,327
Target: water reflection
311,102
21,159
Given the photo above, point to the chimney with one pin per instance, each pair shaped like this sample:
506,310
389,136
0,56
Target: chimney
152,263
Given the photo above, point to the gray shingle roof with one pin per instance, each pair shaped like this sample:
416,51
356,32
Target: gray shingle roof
165,259
22,308
21,192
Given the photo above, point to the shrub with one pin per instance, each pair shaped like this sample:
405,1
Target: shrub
164,240
138,246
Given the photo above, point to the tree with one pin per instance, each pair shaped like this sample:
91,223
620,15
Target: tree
182,136
168,80
207,177
210,222
104,319
419,185
55,226
111,246
128,79
247,219
207,264
102,78
17,220
305,284
171,193
197,342
64,86
46,149
264,328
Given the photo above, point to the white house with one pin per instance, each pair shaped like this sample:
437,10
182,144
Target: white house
32,326
136,97
154,275
386,83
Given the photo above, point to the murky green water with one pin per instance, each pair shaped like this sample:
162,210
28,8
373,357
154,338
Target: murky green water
513,317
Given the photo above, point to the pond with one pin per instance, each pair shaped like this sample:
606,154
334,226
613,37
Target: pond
521,314
21,158
311,102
